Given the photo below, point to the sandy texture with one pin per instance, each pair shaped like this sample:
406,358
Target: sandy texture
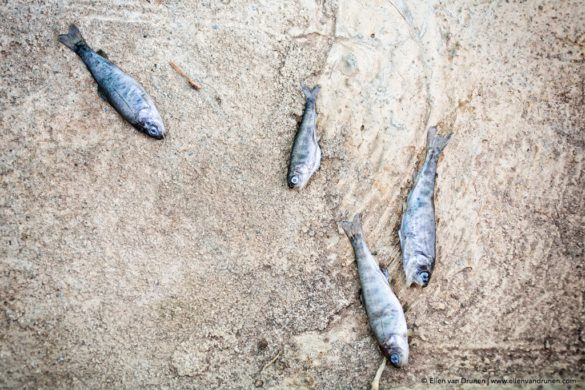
187,263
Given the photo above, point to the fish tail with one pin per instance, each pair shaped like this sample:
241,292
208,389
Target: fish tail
353,229
436,141
73,39
311,93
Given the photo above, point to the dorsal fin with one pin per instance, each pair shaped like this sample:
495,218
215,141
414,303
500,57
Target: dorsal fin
102,53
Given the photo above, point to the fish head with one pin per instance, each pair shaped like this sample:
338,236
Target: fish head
151,124
396,350
298,177
419,270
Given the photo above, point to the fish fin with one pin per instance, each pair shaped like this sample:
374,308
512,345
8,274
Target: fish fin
311,93
436,141
405,204
353,228
102,53
384,271
409,333
361,294
72,39
102,93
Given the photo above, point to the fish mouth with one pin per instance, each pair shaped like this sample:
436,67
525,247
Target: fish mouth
156,136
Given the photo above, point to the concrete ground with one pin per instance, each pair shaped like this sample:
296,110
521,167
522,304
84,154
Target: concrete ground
187,263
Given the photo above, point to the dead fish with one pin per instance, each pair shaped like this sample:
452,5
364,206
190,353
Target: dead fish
418,228
385,312
117,88
305,157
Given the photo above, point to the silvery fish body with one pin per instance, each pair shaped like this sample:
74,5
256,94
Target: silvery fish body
418,228
120,90
305,157
385,313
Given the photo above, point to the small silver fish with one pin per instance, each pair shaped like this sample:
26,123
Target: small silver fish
120,90
305,157
418,228
385,312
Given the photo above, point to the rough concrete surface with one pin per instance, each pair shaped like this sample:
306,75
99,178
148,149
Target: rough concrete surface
187,263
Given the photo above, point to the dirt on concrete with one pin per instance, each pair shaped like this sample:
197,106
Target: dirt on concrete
187,263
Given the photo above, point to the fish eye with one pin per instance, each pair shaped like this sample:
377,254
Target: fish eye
424,277
294,180
395,359
153,130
